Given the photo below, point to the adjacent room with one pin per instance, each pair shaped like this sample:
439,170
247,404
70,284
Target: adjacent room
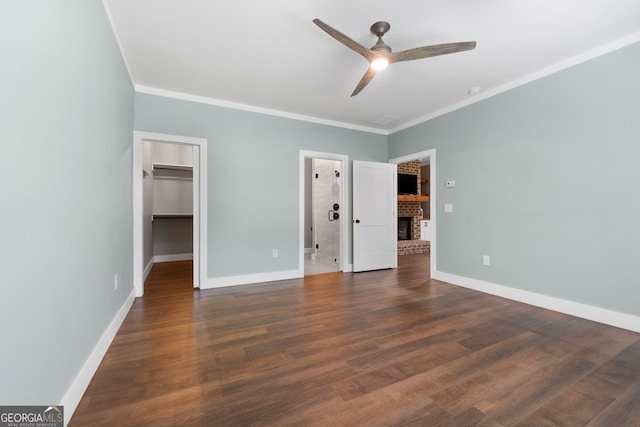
321,213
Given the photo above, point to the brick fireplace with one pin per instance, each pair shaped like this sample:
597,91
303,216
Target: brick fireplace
405,226
411,209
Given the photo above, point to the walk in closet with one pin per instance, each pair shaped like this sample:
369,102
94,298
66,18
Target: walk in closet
168,202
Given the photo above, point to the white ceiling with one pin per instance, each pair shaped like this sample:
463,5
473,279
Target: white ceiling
268,56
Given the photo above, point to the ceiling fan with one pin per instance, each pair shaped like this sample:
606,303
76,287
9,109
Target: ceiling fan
380,54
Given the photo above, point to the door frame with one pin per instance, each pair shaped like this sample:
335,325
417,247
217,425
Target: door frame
344,196
431,154
199,205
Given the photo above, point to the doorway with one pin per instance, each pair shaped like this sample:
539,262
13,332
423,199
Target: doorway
326,201
427,157
143,215
168,200
323,213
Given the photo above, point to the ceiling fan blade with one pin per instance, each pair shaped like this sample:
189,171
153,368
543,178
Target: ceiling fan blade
428,51
368,76
344,39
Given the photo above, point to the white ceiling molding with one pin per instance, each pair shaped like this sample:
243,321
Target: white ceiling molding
272,59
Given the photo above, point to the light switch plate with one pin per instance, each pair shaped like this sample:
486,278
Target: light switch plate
450,184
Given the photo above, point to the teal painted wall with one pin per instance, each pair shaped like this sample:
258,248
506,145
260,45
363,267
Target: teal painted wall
253,204
66,123
547,184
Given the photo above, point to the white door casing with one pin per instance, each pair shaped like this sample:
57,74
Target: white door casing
374,216
199,205
196,217
345,241
431,156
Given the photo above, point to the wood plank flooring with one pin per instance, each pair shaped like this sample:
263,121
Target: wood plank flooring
384,348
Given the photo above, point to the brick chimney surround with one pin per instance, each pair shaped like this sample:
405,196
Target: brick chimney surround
412,209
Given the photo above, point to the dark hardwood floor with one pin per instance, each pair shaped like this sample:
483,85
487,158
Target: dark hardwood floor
384,348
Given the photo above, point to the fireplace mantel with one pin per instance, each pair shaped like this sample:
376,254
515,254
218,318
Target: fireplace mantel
413,198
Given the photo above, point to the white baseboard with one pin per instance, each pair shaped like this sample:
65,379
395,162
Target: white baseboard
172,257
147,270
80,383
220,282
584,311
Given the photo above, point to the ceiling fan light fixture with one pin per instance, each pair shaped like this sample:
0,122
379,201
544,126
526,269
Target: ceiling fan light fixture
379,64
380,55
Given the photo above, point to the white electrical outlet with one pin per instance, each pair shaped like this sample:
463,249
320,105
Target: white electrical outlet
115,282
486,260
274,253
448,207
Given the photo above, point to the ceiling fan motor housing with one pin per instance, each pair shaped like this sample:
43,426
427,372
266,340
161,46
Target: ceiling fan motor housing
379,29
381,46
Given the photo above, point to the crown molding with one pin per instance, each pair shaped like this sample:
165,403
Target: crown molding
547,71
107,10
253,109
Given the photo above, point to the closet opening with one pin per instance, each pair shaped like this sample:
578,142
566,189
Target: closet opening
169,204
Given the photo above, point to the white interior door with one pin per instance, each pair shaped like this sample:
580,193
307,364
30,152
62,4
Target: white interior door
374,216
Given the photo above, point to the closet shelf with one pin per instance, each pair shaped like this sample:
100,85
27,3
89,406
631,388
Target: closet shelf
171,171
172,215
173,178
172,166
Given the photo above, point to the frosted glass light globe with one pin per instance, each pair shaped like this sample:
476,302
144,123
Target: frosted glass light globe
379,64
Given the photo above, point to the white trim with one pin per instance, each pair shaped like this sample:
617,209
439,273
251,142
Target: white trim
251,108
147,269
80,383
246,279
172,257
199,233
107,9
431,154
345,196
567,63
584,311
138,241
199,220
